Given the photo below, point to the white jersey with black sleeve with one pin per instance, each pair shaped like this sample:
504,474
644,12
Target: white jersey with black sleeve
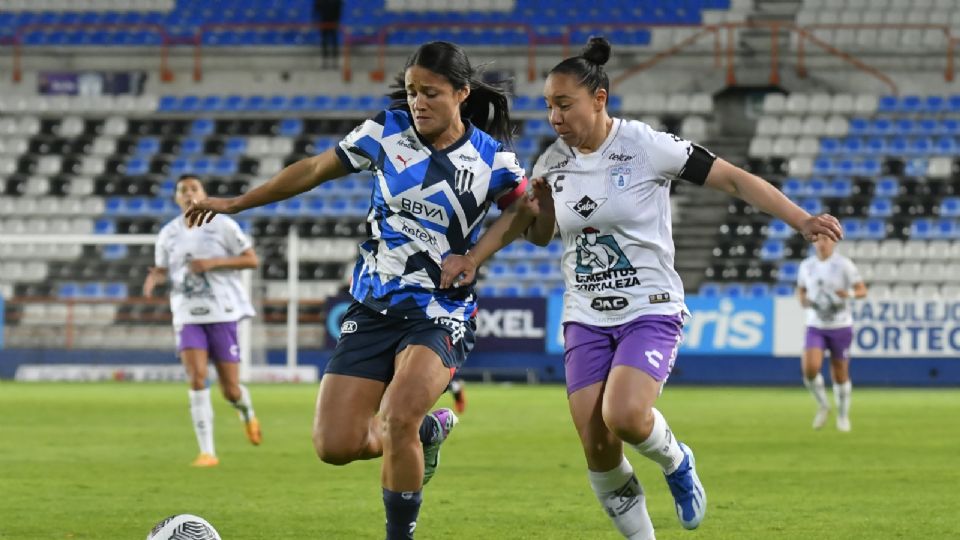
208,297
613,214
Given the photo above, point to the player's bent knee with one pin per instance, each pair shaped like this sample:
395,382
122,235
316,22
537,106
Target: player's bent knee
401,425
629,423
334,452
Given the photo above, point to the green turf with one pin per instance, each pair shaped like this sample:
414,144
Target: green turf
106,461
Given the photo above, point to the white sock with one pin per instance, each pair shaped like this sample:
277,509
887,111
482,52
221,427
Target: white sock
661,446
841,393
244,404
202,413
621,496
816,387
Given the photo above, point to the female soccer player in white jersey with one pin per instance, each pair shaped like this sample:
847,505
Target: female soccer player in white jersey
825,283
207,299
623,307
437,173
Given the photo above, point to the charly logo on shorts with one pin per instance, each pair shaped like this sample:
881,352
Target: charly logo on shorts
457,328
348,327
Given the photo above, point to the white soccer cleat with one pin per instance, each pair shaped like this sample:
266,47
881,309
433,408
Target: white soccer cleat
843,424
820,419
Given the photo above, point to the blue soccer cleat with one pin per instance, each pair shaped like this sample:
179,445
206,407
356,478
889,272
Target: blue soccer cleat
445,420
688,493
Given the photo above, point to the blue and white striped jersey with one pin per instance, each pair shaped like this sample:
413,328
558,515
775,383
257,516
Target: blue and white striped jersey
425,204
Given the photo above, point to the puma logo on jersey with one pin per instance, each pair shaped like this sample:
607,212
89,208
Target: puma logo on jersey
406,162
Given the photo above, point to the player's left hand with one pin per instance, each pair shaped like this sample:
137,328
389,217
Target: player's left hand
458,270
199,266
824,224
540,198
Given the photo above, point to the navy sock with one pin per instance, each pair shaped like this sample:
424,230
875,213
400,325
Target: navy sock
428,430
402,509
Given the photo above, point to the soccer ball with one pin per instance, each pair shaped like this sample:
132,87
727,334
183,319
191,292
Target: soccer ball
184,527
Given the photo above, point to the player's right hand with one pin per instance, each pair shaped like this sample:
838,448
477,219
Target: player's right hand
458,270
203,211
824,224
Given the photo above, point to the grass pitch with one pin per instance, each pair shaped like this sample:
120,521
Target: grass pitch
107,461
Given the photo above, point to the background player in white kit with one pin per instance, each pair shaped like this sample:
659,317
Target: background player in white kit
207,299
623,307
825,283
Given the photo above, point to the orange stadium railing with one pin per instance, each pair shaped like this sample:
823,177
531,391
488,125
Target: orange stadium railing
723,36
166,74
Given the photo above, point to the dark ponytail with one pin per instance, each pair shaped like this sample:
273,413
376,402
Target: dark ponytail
448,59
588,66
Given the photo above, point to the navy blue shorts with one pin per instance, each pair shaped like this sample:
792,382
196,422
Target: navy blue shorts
369,342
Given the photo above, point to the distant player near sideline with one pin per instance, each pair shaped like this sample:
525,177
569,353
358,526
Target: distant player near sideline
606,182
207,299
825,284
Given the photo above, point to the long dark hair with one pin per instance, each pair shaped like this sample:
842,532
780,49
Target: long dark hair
448,59
587,67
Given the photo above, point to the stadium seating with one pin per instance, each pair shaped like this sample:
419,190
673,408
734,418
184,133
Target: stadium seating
886,166
231,23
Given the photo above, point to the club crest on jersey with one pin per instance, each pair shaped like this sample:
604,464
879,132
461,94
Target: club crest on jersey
463,181
586,206
621,176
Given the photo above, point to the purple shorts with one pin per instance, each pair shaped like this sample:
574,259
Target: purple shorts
835,340
648,343
218,339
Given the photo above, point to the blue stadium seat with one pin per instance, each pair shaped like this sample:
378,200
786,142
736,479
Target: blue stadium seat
935,104
202,127
916,167
115,290
946,146
291,207
535,290
167,188
225,167
887,186
840,187
950,207
321,144
212,103
321,103
168,104
180,166
778,229
788,271
880,208
710,290
793,188
874,229
922,228
887,104
487,291
735,290
104,226
772,250
136,166
859,126
114,252
234,103
91,290
852,228
68,290
829,146
189,104
113,206
235,146
757,290
135,206
278,103
782,289
816,187
191,146
299,103
315,207
147,146
255,103
291,127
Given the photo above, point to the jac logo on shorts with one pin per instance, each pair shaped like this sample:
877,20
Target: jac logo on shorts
348,327
609,303
200,311
659,298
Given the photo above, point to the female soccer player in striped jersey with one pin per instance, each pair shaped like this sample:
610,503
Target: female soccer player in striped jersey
207,299
437,174
623,307
825,283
